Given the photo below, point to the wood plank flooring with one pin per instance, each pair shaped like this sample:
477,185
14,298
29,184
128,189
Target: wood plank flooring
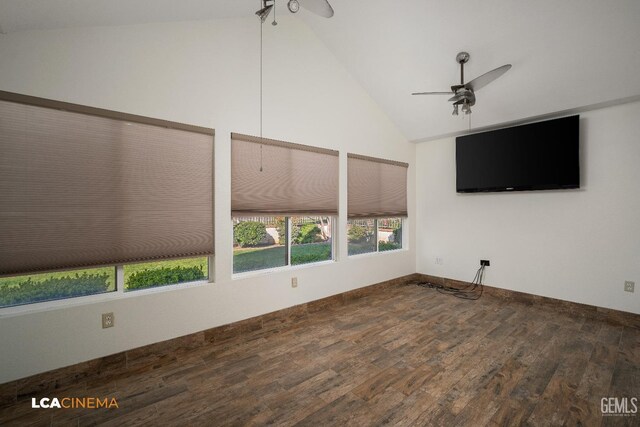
402,356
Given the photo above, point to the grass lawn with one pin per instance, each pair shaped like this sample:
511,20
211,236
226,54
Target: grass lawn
361,248
250,259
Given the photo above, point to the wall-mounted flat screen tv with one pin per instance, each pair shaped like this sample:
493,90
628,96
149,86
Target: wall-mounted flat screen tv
536,156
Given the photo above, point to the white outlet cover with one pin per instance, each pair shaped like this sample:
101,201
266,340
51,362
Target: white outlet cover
108,320
629,286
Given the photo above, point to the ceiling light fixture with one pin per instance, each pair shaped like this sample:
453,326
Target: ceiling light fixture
319,7
293,6
455,110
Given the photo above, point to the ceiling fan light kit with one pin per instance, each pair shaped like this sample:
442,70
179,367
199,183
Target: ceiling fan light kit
464,93
293,6
319,7
265,11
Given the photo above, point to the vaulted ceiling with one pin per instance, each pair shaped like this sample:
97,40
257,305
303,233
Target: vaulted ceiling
565,54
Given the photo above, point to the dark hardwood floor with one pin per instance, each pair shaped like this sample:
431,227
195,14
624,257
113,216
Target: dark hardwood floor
402,356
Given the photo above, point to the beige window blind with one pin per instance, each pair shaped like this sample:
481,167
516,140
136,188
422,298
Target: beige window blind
270,177
377,188
86,187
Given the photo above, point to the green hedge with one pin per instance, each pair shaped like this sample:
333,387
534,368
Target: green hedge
306,234
249,233
388,246
320,253
31,291
164,276
358,234
397,235
282,232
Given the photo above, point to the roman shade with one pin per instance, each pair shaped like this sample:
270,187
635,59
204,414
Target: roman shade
377,188
84,187
270,177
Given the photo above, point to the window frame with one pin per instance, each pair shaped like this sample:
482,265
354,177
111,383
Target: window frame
117,294
124,118
119,291
288,266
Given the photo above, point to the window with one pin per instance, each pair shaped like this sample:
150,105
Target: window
377,196
284,197
374,235
162,273
87,187
310,239
389,234
361,236
259,243
270,242
32,288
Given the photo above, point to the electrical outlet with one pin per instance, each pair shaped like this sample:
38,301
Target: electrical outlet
107,320
439,261
294,282
629,286
485,262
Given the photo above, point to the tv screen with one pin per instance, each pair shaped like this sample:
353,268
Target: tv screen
536,156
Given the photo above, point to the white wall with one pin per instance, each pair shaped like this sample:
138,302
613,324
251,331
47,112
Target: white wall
202,73
576,245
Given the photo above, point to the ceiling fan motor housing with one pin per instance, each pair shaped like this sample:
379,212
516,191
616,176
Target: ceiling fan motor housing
464,95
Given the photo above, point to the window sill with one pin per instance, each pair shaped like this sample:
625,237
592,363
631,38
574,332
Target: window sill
284,268
44,306
377,253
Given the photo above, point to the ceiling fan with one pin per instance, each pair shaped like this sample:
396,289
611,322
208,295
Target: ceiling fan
464,93
319,7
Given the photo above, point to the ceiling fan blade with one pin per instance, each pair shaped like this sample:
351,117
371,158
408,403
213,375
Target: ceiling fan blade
457,97
486,78
319,7
431,93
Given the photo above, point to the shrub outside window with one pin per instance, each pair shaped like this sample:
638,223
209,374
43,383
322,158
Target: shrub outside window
374,235
163,273
261,243
33,288
41,287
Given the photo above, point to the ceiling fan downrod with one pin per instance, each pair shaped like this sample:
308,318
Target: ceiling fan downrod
462,58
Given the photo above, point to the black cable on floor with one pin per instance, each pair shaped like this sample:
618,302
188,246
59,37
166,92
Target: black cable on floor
472,291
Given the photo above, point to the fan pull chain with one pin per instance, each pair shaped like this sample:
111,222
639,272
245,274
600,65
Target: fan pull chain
261,93
274,23
260,79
